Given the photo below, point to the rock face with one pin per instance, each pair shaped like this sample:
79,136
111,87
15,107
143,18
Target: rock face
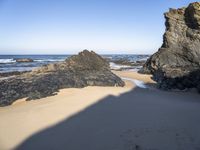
85,69
8,74
21,60
177,62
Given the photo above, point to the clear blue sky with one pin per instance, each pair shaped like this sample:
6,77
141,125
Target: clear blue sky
68,26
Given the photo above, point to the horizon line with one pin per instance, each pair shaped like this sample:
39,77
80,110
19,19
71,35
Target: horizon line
77,53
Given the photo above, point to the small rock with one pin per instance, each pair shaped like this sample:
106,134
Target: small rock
21,60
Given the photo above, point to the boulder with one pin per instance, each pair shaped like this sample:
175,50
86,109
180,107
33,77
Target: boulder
22,60
177,62
85,69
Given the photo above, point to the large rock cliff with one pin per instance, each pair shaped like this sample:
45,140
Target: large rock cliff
85,69
177,62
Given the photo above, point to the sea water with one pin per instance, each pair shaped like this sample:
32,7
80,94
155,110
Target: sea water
8,62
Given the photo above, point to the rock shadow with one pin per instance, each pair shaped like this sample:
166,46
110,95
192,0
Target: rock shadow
142,119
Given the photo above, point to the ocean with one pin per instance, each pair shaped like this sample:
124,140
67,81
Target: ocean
8,62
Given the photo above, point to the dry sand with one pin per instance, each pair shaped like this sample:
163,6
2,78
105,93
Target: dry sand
23,118
104,118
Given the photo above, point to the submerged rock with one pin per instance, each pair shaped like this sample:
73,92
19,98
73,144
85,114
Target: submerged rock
21,60
85,69
177,62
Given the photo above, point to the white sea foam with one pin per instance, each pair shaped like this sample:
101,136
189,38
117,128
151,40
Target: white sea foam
5,61
138,83
144,59
48,60
116,66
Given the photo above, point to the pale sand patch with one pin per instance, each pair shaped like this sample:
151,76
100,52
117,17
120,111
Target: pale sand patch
134,75
24,118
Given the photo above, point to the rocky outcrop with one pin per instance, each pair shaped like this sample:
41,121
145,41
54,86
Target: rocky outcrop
85,69
23,60
8,74
177,62
126,62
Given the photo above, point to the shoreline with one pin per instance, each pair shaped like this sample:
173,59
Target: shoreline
125,75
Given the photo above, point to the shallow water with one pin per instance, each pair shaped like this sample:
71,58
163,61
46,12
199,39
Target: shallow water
138,83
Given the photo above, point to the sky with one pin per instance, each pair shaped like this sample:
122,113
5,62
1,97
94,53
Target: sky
69,26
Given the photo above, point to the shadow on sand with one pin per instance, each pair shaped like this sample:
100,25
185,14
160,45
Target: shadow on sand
142,119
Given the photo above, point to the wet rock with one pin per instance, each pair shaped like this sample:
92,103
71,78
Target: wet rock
177,62
22,60
129,63
85,69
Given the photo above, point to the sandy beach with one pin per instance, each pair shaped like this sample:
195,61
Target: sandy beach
99,75
104,118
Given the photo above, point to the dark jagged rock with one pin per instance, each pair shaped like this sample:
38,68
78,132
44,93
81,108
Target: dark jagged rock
22,60
128,63
177,62
85,69
122,62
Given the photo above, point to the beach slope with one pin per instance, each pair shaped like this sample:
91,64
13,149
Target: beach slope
104,118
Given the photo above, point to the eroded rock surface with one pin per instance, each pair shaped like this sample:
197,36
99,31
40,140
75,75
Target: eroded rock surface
85,69
23,60
177,62
129,63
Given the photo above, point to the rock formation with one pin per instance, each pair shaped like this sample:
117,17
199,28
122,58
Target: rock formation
177,62
22,60
85,69
126,62
8,74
